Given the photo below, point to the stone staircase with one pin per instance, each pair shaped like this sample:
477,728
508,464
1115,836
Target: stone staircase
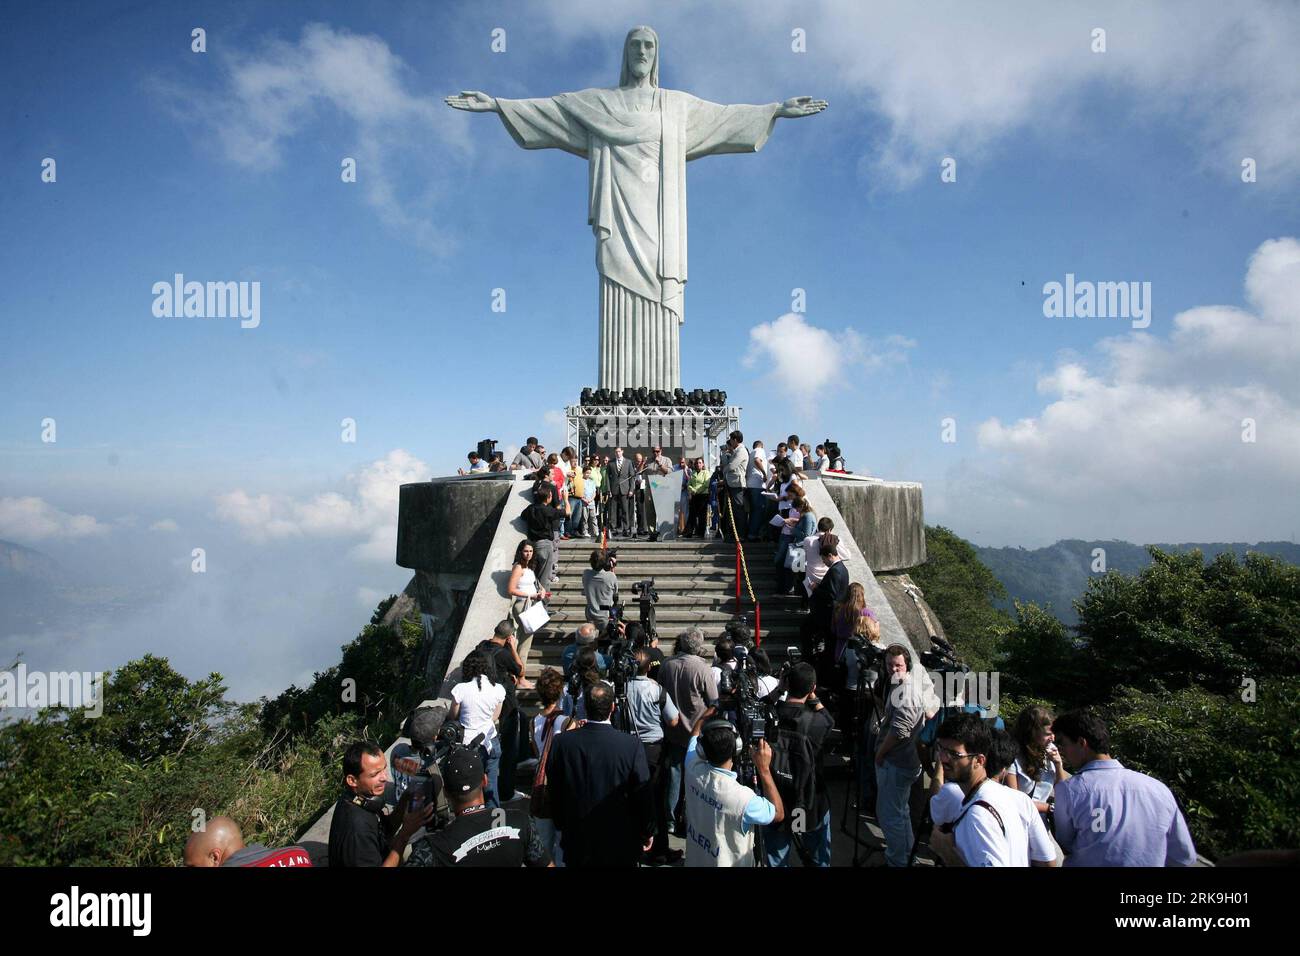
696,581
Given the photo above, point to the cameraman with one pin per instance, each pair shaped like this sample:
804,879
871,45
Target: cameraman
584,637
651,711
600,587
802,724
412,765
721,812
357,832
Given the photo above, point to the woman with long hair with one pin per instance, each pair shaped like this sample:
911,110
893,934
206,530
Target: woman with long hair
852,618
524,589
800,523
476,704
1038,767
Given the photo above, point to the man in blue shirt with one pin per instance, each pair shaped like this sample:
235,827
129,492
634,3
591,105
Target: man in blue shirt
1108,815
721,812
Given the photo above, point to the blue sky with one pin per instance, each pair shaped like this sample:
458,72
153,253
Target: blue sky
924,298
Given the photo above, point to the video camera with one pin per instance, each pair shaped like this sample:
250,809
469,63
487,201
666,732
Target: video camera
487,449
739,700
646,598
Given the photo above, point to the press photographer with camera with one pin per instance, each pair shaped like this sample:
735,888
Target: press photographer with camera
600,587
687,678
721,812
802,724
898,764
359,835
414,765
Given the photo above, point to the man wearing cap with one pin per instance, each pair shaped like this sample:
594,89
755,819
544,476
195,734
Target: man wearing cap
479,836
411,767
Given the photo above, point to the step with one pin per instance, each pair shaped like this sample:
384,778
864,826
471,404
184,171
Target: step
573,597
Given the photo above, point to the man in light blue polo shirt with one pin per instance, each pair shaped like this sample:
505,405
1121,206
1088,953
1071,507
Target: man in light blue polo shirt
1108,815
721,812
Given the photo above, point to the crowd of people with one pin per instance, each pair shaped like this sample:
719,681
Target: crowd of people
631,746
622,759
605,495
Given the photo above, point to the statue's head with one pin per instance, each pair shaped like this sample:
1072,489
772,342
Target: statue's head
640,56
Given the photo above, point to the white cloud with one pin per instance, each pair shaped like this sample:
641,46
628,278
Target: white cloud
367,509
1150,433
790,350
34,519
951,78
166,524
270,95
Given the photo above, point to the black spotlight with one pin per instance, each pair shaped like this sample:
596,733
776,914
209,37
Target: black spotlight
715,397
603,396
697,396
679,396
722,397
629,396
643,396
587,397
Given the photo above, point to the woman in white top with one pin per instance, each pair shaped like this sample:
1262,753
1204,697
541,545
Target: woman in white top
524,589
476,704
546,725
1038,767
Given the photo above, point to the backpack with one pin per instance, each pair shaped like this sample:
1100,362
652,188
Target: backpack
794,763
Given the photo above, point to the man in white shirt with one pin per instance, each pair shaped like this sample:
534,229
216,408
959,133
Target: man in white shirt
476,465
992,824
721,812
794,452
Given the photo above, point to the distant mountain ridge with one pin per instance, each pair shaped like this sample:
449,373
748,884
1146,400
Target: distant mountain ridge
1057,575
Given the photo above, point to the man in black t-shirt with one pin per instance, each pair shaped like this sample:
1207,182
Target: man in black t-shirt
540,522
801,714
357,834
479,836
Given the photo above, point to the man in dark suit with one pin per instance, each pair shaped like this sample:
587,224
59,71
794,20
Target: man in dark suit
830,591
620,473
599,783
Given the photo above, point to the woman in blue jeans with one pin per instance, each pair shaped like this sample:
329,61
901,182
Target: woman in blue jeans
476,704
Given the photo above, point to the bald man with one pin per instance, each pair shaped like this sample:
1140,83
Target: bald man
221,843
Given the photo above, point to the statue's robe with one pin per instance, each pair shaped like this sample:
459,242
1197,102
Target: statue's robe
637,206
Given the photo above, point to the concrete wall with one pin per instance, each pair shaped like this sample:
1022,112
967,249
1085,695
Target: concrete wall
886,518
444,525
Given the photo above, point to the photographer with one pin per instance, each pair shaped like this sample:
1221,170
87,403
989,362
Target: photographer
412,765
600,587
694,691
651,710
636,635
721,812
357,831
802,724
897,763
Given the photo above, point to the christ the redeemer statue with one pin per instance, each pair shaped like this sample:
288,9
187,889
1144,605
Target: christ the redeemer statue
637,139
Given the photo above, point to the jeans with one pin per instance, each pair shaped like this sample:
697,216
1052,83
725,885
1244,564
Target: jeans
670,777
817,841
695,523
757,512
575,519
490,752
550,838
509,742
893,811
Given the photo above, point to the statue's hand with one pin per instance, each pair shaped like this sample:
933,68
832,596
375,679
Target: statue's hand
797,106
474,101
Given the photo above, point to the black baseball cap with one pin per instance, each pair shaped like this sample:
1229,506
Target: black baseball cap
462,771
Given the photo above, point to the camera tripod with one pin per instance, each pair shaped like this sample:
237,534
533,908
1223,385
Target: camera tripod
865,707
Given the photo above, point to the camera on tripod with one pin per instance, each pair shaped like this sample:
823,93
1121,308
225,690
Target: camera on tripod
646,598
